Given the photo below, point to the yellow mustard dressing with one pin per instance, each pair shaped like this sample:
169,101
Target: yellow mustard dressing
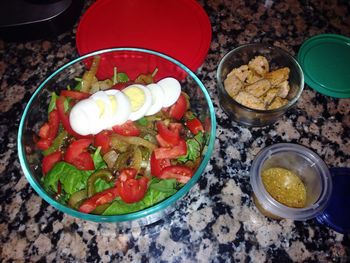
285,187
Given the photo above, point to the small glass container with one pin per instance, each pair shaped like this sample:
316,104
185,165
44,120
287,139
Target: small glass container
309,167
277,58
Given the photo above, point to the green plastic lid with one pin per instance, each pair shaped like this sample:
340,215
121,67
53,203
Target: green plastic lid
325,60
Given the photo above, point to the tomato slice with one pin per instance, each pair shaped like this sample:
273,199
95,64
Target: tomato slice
171,137
78,156
129,188
44,144
63,116
194,125
100,198
171,152
179,172
44,131
78,95
102,140
157,165
50,160
127,129
48,131
178,110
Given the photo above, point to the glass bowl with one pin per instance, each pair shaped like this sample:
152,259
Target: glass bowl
277,58
132,61
309,167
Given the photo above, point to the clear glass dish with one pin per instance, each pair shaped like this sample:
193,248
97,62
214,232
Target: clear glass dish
310,168
132,61
277,58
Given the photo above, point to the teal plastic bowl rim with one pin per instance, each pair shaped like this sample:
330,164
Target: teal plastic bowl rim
139,214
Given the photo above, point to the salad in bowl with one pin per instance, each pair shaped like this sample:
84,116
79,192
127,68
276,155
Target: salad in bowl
117,135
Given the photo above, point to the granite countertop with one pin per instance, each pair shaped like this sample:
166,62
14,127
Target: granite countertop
217,221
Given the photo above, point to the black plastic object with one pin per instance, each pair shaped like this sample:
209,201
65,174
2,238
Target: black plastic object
35,19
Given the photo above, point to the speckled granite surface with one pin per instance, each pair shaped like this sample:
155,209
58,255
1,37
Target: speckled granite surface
217,221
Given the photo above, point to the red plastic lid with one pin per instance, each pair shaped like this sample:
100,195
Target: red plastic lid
180,29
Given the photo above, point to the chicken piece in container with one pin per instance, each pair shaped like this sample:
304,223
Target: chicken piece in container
242,73
250,101
270,95
277,76
258,88
278,102
283,89
233,85
260,65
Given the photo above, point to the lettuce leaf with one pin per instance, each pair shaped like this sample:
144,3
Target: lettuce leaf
157,192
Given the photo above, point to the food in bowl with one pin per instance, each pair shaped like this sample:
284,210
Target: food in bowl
290,181
284,186
255,86
117,146
277,59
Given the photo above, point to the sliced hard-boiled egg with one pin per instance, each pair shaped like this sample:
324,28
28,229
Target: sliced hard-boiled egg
84,117
157,98
120,107
140,99
104,104
172,90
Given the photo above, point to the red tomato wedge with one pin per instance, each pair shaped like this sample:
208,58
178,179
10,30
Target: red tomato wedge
129,188
127,129
44,144
48,131
178,110
170,136
78,156
44,131
179,172
102,140
50,160
194,125
171,152
157,165
64,118
100,198
77,95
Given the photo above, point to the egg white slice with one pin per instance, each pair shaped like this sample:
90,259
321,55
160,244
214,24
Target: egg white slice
84,117
120,107
105,112
140,99
172,90
157,98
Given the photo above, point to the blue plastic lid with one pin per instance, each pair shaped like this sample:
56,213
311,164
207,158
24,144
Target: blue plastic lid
337,213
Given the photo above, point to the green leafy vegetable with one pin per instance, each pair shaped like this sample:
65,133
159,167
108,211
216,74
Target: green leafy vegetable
194,148
52,103
157,192
119,77
143,121
72,179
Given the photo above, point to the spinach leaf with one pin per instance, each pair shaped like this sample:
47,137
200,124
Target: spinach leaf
157,192
101,185
52,103
99,163
71,178
166,185
194,148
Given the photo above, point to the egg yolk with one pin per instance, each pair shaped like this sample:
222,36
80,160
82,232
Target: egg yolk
113,103
136,96
101,106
